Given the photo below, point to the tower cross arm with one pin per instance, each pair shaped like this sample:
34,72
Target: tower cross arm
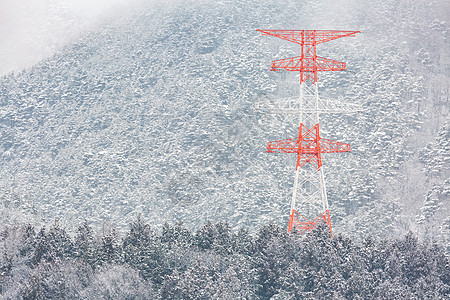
307,146
292,105
329,146
323,36
283,146
326,64
308,37
310,64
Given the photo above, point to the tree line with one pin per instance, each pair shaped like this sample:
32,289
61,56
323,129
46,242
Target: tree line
214,262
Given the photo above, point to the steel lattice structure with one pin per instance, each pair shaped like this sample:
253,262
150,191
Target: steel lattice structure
309,146
309,192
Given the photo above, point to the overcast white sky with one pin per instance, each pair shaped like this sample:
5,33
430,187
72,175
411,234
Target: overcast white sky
32,30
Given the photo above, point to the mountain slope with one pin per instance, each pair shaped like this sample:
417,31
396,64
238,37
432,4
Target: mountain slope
153,113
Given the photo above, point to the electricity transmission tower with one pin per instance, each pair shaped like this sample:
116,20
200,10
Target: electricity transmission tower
309,192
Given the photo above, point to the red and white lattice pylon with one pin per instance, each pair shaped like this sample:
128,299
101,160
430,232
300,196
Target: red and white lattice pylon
309,195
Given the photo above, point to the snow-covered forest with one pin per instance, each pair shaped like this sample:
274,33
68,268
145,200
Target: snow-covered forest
151,112
215,263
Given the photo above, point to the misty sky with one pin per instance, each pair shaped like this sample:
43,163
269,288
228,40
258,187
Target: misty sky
32,30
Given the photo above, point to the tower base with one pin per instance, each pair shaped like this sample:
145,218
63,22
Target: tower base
301,224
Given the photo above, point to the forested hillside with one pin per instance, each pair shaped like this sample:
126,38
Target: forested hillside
153,113
214,262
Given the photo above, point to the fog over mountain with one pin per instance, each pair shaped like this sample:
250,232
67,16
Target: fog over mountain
151,111
33,30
